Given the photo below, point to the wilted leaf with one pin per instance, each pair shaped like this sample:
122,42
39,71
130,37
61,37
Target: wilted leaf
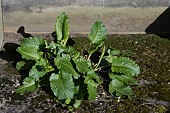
62,85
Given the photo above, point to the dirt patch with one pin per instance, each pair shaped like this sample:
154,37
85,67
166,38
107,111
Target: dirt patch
152,92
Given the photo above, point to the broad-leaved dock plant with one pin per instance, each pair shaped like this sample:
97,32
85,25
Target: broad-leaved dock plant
73,75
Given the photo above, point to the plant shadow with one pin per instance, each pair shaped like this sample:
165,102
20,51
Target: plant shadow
161,26
21,31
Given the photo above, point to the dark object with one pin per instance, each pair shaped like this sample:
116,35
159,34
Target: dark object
10,53
21,30
161,26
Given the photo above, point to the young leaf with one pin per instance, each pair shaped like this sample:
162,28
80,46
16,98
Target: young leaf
113,52
117,87
125,66
62,28
20,64
30,48
29,85
98,33
77,103
64,64
91,87
81,65
62,85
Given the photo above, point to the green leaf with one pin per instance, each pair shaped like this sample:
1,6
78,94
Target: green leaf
93,75
91,87
125,66
45,64
37,72
30,48
29,53
64,64
98,33
123,78
117,87
29,85
82,65
77,103
62,85
20,64
32,42
62,28
113,52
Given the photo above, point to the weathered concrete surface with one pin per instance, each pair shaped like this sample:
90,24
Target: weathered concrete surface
117,20
1,26
11,5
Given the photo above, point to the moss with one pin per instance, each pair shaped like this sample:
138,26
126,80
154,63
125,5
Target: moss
160,109
152,53
149,51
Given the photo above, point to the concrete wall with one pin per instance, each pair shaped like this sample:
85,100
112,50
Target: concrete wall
1,26
119,16
98,3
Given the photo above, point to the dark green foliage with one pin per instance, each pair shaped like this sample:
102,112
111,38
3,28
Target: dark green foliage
72,75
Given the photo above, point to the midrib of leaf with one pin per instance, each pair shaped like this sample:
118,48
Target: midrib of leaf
67,66
62,85
35,46
96,34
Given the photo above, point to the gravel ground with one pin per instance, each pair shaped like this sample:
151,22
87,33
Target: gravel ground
152,93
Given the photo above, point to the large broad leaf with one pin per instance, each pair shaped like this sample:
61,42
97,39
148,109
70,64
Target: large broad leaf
62,28
123,78
29,85
30,48
64,64
98,33
117,87
62,85
91,87
125,66
32,42
82,65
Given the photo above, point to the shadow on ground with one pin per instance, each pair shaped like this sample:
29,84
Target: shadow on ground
10,53
161,26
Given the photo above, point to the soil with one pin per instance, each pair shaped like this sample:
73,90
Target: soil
151,52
